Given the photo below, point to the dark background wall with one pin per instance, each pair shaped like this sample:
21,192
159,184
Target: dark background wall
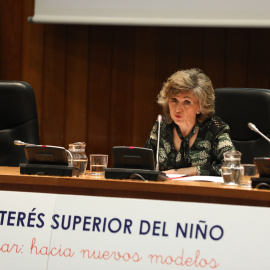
99,84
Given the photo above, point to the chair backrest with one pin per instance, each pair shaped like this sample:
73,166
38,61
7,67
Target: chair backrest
239,106
18,121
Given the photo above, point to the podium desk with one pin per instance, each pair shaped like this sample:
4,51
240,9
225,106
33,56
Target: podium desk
206,192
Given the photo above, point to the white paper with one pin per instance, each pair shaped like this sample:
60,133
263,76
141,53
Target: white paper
183,177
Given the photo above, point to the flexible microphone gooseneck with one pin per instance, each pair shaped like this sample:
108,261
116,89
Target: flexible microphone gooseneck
159,119
254,128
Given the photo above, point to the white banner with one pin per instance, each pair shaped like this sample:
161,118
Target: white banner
49,231
241,13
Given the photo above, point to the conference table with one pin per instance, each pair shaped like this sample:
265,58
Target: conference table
90,222
169,190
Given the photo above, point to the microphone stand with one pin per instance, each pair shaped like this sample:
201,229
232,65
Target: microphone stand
254,128
158,139
262,165
141,174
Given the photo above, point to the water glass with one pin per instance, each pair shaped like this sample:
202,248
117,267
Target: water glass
249,171
98,163
232,170
232,175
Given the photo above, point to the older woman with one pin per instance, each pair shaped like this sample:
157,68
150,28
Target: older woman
192,138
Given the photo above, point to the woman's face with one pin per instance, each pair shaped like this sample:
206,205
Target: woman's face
183,108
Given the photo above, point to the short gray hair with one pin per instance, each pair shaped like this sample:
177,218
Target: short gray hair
193,80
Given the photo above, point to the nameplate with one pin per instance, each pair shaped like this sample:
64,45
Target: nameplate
50,231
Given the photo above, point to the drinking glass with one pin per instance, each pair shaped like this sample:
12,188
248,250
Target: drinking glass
98,163
249,171
232,170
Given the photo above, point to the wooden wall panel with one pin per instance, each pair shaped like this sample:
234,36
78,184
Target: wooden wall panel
99,84
121,114
214,54
191,47
99,90
54,85
259,58
144,96
167,56
75,102
11,39
32,55
236,59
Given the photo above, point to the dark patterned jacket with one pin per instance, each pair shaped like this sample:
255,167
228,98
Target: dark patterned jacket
206,154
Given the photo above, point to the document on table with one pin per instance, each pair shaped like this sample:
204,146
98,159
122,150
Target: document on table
184,177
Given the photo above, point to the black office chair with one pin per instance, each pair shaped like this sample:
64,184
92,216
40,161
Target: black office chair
18,121
240,106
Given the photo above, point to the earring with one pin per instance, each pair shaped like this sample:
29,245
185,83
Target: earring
198,112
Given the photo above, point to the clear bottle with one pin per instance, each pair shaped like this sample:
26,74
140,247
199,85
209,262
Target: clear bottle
80,159
232,170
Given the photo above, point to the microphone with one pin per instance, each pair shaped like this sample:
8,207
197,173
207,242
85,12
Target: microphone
254,128
20,143
136,173
159,119
47,160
